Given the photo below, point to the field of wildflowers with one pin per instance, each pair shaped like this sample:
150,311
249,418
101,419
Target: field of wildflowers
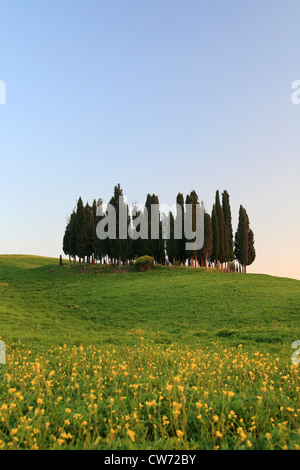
149,397
172,359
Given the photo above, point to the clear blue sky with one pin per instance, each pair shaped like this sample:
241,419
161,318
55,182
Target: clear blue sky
160,96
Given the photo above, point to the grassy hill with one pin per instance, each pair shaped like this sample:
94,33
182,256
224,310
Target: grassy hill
176,358
43,304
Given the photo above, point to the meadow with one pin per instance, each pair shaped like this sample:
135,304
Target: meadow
176,358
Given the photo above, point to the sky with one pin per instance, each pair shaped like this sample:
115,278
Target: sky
161,96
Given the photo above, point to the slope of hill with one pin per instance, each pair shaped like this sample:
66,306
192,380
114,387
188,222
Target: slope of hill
176,358
44,304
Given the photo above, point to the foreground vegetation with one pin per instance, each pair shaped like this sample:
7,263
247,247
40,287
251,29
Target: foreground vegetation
176,358
149,397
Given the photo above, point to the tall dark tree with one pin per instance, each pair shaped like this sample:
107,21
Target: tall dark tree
228,225
251,249
90,228
66,240
223,251
119,246
241,241
193,200
180,220
139,245
81,232
208,239
100,246
216,240
158,244
154,246
171,243
73,236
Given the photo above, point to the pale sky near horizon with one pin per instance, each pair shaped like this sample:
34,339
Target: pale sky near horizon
163,96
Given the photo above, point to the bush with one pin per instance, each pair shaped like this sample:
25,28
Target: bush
144,263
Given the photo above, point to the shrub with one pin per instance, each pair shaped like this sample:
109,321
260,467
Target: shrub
144,263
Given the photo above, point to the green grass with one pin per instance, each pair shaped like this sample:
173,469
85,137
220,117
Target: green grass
176,358
43,304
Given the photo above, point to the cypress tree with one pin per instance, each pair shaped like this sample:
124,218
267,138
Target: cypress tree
120,247
171,243
242,239
158,244
73,239
251,249
155,247
90,228
66,240
81,232
139,245
223,256
193,200
180,217
208,239
148,243
215,231
228,226
100,246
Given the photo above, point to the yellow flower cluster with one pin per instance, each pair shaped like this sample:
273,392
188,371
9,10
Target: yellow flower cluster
218,398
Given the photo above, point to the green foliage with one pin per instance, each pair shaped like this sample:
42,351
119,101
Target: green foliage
82,242
223,246
244,250
81,239
208,238
144,263
216,239
228,225
251,249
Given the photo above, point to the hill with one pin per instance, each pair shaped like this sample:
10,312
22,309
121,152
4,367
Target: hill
176,358
44,304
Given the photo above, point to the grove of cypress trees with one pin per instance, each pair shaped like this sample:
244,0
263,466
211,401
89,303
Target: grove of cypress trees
80,236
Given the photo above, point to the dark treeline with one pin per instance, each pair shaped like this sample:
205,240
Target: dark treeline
220,249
